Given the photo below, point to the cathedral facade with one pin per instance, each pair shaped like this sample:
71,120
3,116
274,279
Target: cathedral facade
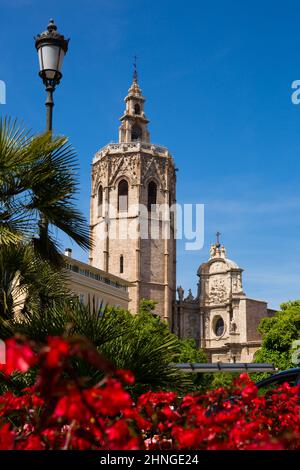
131,180
221,318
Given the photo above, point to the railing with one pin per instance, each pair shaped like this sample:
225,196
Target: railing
226,367
145,145
96,277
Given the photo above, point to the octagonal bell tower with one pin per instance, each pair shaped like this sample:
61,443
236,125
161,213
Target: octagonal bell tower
133,188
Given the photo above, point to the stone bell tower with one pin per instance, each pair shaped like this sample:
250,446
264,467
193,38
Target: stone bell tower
133,188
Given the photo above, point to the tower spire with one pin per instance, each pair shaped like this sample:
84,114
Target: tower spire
134,121
135,74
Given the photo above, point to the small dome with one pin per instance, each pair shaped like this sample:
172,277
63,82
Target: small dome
231,263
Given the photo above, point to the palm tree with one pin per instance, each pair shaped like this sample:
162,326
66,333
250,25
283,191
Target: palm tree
27,283
38,182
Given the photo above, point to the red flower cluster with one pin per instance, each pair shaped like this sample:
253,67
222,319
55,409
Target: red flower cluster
19,356
60,412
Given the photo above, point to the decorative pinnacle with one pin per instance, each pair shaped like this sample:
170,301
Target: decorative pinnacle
51,26
135,74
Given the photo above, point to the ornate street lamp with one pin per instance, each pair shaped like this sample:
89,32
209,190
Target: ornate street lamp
51,47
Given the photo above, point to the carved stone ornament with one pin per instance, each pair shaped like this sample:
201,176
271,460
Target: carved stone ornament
154,167
125,165
217,292
99,174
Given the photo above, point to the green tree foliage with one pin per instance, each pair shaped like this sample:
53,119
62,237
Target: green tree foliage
141,343
188,352
149,349
221,379
278,334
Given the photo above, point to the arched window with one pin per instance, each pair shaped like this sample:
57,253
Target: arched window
100,201
152,194
121,264
137,109
136,133
123,196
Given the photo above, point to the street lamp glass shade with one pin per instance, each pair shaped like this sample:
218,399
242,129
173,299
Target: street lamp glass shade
51,47
50,58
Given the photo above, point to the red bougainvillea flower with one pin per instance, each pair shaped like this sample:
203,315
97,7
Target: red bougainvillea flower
118,431
110,399
125,376
10,403
264,445
7,438
158,398
56,350
54,438
61,412
33,442
120,437
19,357
249,392
71,407
187,438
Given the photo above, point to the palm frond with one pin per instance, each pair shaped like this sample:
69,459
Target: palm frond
38,180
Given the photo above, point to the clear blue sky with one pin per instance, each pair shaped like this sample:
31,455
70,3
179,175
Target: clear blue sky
217,77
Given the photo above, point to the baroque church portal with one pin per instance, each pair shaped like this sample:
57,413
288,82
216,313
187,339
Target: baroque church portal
221,319
134,174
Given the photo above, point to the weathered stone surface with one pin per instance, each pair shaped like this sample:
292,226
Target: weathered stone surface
149,264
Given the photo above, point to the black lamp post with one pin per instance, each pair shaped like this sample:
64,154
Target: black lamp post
51,47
